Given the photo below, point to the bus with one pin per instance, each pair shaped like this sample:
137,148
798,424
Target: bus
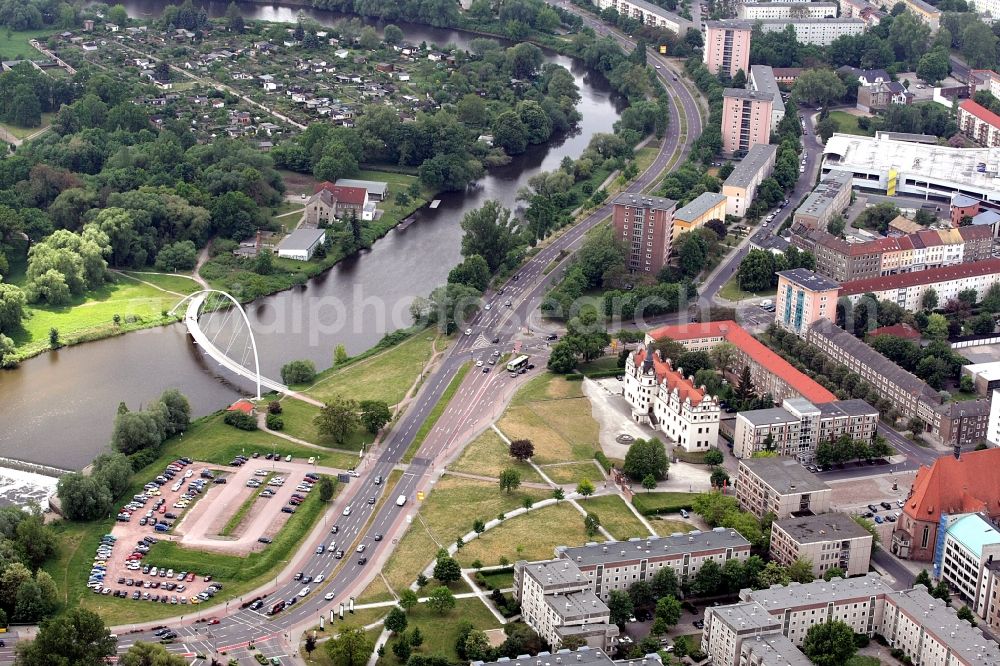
517,364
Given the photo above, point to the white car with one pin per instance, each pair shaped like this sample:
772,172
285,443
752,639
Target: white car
657,67
468,331
328,596
318,579
487,307
479,363
312,460
347,510
304,591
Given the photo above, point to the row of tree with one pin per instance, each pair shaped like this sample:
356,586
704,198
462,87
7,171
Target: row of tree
758,270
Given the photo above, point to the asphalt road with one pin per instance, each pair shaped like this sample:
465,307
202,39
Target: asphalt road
238,626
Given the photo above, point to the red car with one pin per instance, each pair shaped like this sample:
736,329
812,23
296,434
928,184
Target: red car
190,578
213,620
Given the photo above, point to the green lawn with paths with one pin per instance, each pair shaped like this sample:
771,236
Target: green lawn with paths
616,517
298,419
488,455
178,283
441,631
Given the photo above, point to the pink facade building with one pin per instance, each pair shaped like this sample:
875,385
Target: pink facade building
746,120
804,297
727,46
645,225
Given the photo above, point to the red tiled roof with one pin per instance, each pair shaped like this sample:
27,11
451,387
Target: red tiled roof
981,112
244,406
665,373
918,278
344,194
748,344
963,485
899,330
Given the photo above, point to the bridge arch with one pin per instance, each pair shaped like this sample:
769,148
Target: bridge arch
194,302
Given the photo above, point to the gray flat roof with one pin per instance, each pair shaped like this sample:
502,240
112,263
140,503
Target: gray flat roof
301,239
751,164
790,4
925,6
553,572
741,93
699,206
584,656
770,416
746,615
644,201
823,527
763,75
731,24
675,544
576,604
807,279
774,650
377,186
965,641
825,193
833,591
852,407
784,475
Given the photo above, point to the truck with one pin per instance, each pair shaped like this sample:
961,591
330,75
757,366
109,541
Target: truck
277,607
401,500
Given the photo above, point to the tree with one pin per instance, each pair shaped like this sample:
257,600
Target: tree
12,302
522,449
54,341
83,497
965,614
621,607
833,572
592,524
118,15
310,644
979,45
836,225
78,637
234,19
585,487
819,86
756,271
447,570
826,128
829,644
351,647
649,482
150,654
719,477
923,578
664,583
298,372
7,348
408,599
340,356
510,479
374,415
509,133
326,488
138,431
177,411
489,233
933,66
708,580
113,471
337,419
441,600
800,571
477,645
395,621
713,457
937,327
562,360
929,300
941,591
668,610
392,34
646,457
473,272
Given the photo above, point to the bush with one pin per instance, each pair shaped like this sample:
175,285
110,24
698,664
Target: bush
603,461
298,372
143,459
274,407
275,422
651,504
241,420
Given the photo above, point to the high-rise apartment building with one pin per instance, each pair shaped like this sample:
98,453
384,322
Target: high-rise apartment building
746,120
645,224
727,46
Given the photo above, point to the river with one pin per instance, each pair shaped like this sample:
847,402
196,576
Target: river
59,407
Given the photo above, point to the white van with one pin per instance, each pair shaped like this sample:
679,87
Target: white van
401,500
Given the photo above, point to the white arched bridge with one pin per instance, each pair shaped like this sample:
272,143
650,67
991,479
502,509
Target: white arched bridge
217,330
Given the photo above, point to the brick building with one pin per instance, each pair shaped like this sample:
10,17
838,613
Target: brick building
645,225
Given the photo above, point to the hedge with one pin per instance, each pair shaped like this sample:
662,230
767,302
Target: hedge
651,504
603,461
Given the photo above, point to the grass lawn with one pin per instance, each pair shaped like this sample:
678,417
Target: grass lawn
441,631
178,283
574,473
298,418
375,592
14,45
731,291
385,376
207,440
665,502
600,365
487,455
412,554
25,132
644,157
499,580
616,517
532,536
92,317
553,413
848,123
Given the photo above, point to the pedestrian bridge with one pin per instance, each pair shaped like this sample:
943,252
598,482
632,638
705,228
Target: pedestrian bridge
237,339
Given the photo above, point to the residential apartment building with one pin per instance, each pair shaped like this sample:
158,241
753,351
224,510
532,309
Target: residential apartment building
828,541
557,601
755,11
908,394
727,46
818,31
907,289
645,225
831,197
771,650
746,120
962,423
648,14
979,123
967,483
664,398
845,261
741,186
706,206
930,633
771,374
617,565
984,79
927,631
803,297
871,14
926,12
762,80
798,426
971,542
584,656
781,486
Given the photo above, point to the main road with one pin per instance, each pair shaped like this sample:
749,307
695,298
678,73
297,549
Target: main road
480,395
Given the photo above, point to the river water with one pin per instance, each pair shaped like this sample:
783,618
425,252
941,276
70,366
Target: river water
59,407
